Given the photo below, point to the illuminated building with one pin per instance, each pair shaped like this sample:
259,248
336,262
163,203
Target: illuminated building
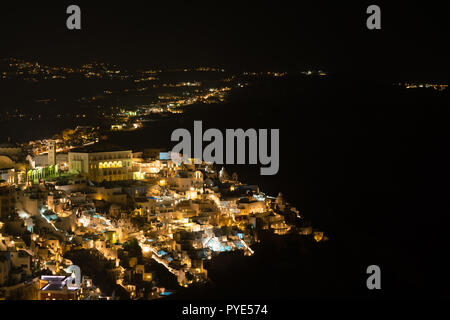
185,180
52,153
55,288
101,163
7,176
42,173
144,271
116,127
43,160
247,207
11,171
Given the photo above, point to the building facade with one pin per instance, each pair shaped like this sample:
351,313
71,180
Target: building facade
52,153
102,165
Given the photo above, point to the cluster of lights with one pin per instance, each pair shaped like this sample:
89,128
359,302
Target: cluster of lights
139,175
110,164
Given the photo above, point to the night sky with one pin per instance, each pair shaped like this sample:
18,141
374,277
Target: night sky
333,36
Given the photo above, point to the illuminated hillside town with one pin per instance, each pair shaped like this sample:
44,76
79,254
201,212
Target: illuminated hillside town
219,160
120,214
138,223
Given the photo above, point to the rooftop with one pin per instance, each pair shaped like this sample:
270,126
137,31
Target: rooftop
99,147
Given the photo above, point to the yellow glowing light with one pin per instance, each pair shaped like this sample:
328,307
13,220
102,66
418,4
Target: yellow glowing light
318,236
110,164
